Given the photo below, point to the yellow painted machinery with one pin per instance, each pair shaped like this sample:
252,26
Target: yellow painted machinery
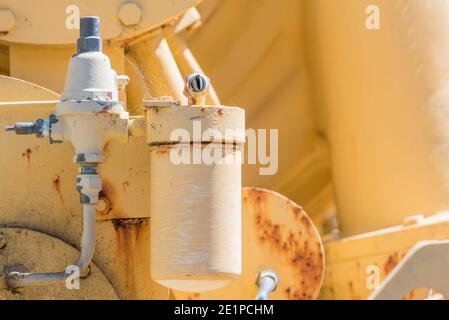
171,149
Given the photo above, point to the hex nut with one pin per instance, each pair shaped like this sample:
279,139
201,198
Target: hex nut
103,206
7,20
130,14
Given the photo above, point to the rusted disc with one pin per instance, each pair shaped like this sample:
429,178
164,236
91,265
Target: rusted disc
277,235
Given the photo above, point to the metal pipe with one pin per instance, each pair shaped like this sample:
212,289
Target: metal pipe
160,73
21,279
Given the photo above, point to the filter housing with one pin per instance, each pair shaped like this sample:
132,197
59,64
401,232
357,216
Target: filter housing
196,234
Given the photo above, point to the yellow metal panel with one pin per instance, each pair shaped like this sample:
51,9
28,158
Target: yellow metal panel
36,26
47,66
350,261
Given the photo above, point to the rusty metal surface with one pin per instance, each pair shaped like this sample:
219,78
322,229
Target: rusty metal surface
35,163
127,258
277,235
39,252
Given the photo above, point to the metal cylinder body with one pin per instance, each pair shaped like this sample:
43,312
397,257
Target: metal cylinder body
195,199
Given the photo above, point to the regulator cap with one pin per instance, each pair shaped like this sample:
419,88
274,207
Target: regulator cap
89,39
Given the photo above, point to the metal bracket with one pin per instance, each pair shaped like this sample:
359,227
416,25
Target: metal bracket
426,265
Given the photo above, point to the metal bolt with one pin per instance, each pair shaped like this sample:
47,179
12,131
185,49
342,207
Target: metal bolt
103,206
7,20
130,14
2,241
197,88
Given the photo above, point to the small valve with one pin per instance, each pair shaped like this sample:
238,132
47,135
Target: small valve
197,88
39,128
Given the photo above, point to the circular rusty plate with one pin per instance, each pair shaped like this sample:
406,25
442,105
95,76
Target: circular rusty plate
277,235
30,250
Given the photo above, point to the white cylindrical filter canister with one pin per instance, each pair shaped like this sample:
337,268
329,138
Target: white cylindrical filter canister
196,155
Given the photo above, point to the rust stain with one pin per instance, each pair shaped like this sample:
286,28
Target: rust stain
220,112
257,194
132,253
410,295
288,293
125,185
392,261
300,216
107,191
351,289
57,186
164,149
194,296
27,154
302,251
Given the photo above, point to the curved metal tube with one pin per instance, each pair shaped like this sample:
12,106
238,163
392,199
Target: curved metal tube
20,279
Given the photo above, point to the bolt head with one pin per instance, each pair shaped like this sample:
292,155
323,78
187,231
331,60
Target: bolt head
130,14
7,20
103,205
